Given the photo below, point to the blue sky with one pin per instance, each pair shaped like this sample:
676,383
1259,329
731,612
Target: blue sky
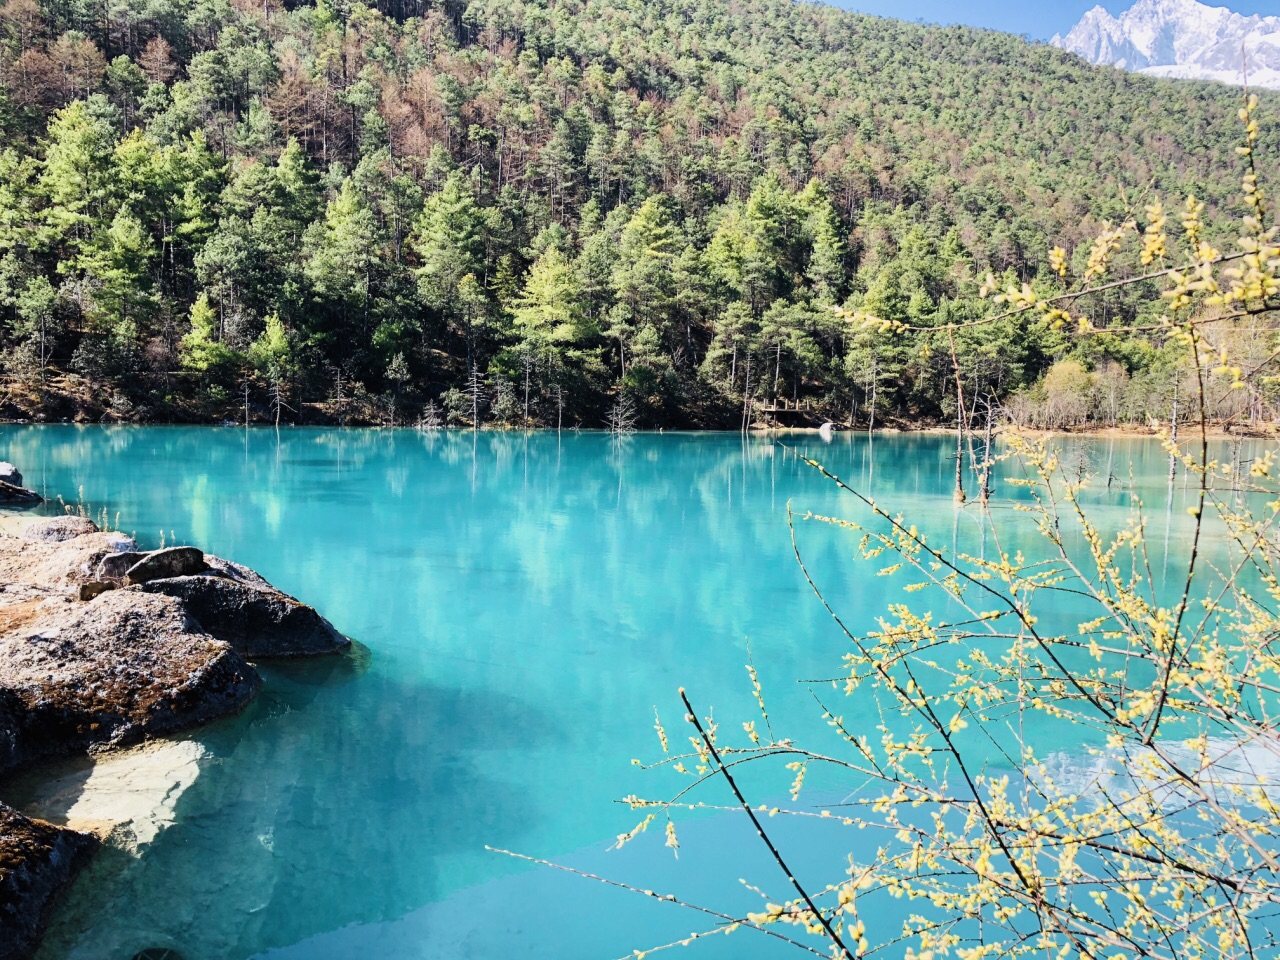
1035,18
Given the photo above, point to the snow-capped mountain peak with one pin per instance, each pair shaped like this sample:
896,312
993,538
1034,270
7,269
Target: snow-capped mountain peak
1181,38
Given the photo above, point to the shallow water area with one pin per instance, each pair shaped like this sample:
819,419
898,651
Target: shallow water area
128,798
522,603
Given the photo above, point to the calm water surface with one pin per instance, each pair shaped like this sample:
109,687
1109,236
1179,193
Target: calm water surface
525,601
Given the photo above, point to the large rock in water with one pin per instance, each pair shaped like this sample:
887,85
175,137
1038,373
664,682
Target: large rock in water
111,671
12,492
237,606
102,645
37,860
12,495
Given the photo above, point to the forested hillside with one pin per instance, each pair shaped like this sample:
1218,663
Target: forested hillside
525,211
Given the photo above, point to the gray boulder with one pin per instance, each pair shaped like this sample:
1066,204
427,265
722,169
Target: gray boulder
161,564
238,607
37,860
114,566
58,529
112,671
9,473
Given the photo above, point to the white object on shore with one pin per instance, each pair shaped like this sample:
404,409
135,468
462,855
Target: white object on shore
824,431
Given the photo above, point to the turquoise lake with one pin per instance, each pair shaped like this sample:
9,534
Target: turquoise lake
522,602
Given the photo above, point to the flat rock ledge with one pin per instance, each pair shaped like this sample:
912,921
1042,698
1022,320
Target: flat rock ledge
104,646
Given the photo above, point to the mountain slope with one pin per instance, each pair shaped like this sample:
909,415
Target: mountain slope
1183,39
559,200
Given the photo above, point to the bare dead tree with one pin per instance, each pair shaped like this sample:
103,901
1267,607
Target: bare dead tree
475,392
338,397
431,418
984,480
278,401
622,417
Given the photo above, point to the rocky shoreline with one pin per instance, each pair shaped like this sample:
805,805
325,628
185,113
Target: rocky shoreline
104,646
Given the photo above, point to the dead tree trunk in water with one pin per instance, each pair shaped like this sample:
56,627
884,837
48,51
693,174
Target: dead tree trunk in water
277,401
875,381
528,364
984,492
475,390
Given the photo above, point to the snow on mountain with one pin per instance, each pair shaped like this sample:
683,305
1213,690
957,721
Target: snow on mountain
1181,38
